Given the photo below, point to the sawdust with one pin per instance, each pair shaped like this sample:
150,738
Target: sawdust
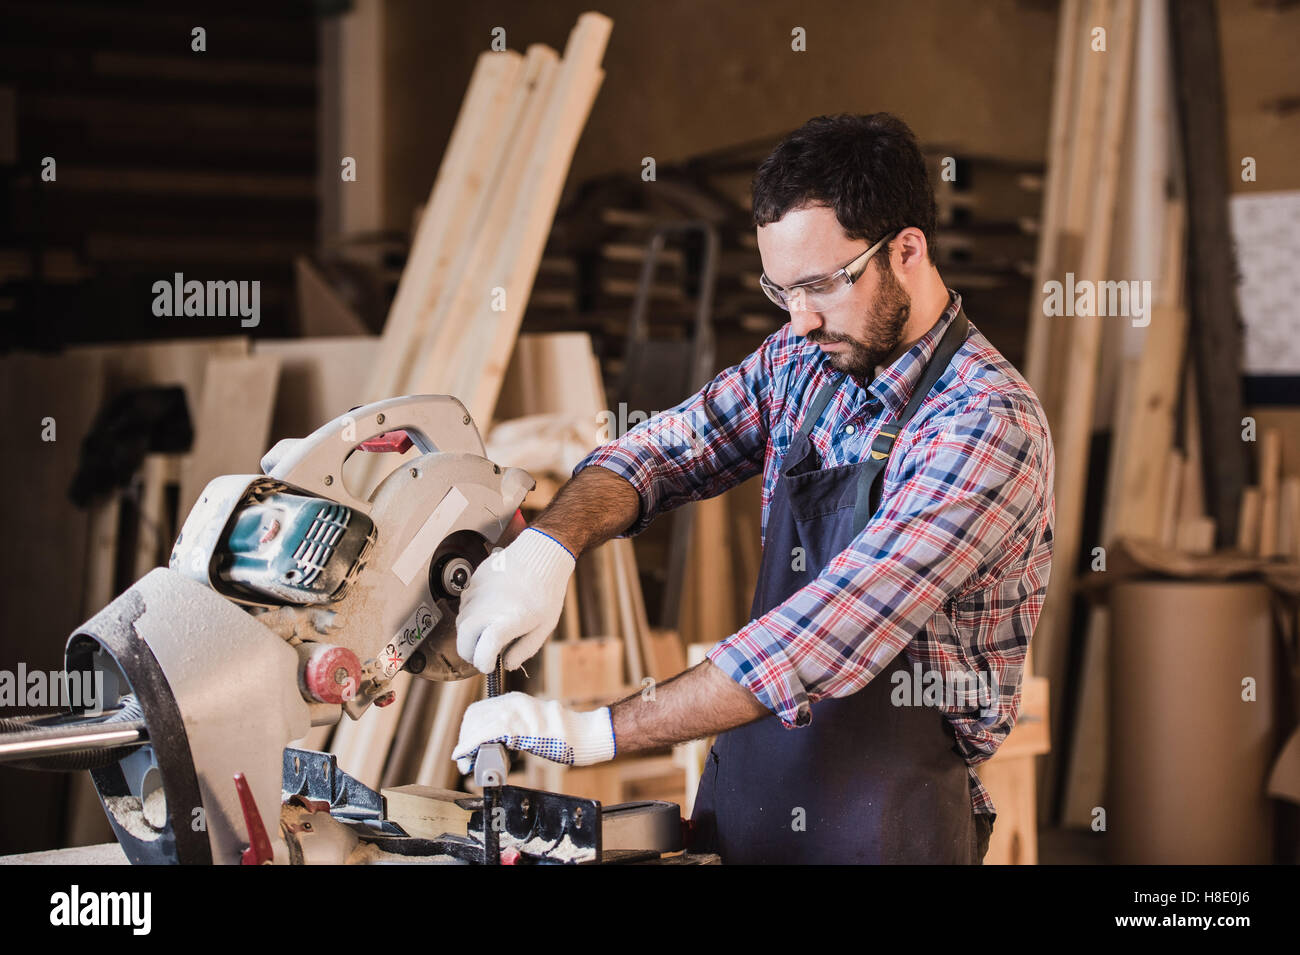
127,812
562,850
369,854
155,810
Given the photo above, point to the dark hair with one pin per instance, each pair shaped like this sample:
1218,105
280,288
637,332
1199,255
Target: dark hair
868,169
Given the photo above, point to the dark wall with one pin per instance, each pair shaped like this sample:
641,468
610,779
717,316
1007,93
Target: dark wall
167,159
684,77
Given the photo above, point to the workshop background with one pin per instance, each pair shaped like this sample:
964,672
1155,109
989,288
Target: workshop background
347,157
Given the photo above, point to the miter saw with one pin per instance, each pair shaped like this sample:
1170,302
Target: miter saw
290,602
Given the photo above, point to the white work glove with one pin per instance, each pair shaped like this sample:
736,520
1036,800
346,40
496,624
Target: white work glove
543,727
513,600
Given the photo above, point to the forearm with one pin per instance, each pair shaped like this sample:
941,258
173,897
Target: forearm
699,702
591,508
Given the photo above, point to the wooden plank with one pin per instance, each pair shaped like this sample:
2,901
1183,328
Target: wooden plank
709,600
625,779
623,559
570,617
1248,522
455,231
1288,532
362,745
230,430
1175,468
445,339
1145,424
515,206
1195,535
576,85
1031,735
1074,431
1270,455
412,732
476,137
438,768
181,363
1070,39
1136,492
320,379
665,654
545,376
321,309
155,530
1047,375
1015,832
1191,503
101,555
592,666
45,583
428,812
606,581
482,359
1215,319
1286,420
353,66
592,608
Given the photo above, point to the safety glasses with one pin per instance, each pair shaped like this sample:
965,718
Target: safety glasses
821,292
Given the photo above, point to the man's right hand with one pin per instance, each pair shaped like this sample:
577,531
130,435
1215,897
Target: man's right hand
513,601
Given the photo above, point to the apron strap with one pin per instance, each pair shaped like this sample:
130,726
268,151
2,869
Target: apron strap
819,404
871,479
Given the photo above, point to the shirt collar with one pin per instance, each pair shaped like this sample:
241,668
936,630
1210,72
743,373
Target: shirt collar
893,386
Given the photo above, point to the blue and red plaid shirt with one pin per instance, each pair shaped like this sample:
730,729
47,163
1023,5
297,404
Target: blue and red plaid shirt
951,569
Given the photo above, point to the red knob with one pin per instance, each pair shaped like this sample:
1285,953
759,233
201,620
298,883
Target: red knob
332,674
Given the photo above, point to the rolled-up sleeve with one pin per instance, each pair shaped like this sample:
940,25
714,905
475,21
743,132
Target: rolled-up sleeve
964,488
703,446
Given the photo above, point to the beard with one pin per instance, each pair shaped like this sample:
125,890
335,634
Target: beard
890,308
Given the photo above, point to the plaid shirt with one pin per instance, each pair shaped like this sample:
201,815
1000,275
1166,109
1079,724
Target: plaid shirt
951,569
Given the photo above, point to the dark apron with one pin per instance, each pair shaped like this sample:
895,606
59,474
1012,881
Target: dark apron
865,781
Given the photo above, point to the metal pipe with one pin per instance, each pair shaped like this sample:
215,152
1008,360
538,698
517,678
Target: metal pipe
98,736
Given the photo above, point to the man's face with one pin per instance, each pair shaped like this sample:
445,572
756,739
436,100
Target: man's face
864,324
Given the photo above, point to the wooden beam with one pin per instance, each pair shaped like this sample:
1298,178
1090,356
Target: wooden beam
478,136
1069,43
589,667
1073,432
230,430
1270,456
1215,320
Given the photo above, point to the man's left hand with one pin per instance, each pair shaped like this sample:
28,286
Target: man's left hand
543,727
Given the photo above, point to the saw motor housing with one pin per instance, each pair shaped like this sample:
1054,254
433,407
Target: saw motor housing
289,601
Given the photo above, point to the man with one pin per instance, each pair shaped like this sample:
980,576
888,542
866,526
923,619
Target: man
907,528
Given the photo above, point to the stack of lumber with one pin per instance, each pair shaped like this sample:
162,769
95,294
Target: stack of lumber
456,314
1269,526
1132,196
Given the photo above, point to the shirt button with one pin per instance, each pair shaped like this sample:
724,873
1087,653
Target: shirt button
849,429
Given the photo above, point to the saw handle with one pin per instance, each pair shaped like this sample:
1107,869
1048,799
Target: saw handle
315,463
